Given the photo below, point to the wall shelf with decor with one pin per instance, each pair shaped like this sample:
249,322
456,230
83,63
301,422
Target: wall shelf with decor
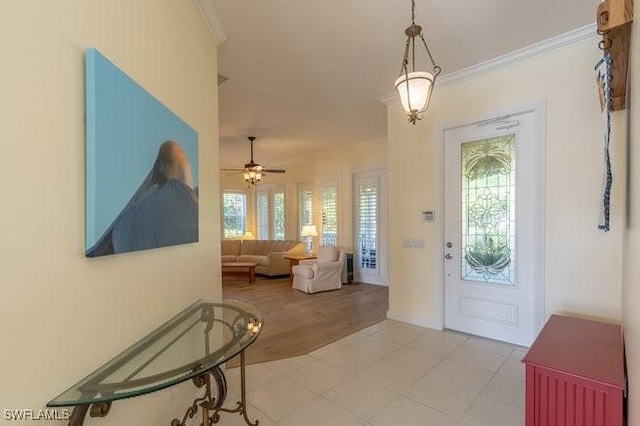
614,18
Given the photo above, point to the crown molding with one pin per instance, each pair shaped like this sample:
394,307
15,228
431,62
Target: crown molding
210,17
538,49
533,51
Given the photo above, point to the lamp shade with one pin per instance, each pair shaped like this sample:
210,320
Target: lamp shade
248,236
309,231
414,89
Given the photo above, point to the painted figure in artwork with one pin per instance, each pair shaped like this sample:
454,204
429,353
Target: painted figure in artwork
162,212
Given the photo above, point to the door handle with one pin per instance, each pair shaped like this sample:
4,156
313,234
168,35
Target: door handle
448,256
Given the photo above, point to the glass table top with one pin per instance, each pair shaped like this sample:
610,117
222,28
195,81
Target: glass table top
196,340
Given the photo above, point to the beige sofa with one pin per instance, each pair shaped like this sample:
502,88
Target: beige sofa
270,254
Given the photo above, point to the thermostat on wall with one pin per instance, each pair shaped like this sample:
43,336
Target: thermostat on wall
428,216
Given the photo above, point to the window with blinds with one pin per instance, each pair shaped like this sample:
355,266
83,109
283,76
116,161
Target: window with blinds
262,215
329,232
278,211
305,209
367,193
270,214
234,205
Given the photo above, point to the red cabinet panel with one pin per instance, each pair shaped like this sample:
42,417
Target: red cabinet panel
575,374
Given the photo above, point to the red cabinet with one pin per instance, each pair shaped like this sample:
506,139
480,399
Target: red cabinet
575,374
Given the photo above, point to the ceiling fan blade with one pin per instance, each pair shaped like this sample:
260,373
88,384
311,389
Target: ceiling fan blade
233,170
274,170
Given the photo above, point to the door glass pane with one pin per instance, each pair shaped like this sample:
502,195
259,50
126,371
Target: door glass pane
367,222
488,210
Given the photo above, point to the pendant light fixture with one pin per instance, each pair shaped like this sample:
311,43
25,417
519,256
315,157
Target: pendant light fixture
415,87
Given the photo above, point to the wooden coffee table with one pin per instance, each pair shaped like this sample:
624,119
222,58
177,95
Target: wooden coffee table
249,266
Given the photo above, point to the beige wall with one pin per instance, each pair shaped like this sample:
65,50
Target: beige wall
631,282
334,165
583,265
63,315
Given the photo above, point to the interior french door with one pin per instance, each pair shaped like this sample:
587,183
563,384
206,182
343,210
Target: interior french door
493,228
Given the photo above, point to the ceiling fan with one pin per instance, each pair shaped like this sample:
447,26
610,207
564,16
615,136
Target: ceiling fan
253,172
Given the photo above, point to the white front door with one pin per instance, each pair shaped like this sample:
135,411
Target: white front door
493,227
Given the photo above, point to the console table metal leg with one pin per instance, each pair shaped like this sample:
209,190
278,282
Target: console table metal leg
79,412
243,391
241,407
211,407
207,402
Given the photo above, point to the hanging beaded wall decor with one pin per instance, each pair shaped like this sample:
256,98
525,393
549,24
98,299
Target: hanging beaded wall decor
603,75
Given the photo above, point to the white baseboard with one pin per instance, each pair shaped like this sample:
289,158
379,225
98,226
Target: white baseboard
422,322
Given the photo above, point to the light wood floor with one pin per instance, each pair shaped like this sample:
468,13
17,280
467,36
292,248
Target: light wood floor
296,323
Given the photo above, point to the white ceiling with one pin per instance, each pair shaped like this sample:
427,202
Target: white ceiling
307,75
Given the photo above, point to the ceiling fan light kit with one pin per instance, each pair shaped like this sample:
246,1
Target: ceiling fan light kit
252,171
252,176
415,87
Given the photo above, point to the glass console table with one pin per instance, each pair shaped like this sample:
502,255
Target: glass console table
191,346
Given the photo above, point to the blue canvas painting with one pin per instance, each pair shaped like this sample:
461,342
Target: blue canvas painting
142,166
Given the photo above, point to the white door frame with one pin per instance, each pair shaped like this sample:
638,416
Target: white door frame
539,110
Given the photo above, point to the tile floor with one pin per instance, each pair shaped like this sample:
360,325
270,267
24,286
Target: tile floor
390,374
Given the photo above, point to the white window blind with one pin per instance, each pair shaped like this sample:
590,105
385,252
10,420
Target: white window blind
234,206
262,214
278,210
305,209
329,232
270,214
367,222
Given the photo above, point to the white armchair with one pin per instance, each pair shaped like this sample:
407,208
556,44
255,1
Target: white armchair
321,274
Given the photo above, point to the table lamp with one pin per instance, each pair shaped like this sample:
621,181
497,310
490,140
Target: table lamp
309,231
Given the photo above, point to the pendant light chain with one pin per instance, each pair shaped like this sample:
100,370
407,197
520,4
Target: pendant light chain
413,12
413,22
413,40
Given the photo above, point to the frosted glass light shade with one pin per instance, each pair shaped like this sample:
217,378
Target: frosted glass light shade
416,99
252,175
